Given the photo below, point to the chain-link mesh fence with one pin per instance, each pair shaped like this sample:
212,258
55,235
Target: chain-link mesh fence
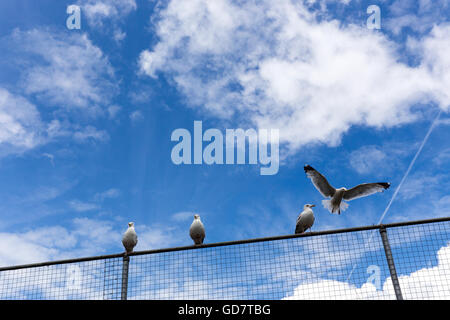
340,264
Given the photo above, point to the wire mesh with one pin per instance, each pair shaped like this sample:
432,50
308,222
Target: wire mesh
339,265
263,270
90,280
422,259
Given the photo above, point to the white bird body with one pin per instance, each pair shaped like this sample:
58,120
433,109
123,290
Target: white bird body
129,239
305,219
336,204
197,230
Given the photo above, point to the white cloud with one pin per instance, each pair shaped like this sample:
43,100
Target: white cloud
98,11
84,237
418,16
68,72
107,16
50,156
90,133
366,159
442,205
136,116
80,238
157,236
273,65
81,206
21,127
423,284
63,71
336,290
119,35
421,184
113,111
108,194
95,203
183,216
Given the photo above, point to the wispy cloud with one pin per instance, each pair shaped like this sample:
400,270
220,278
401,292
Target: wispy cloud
107,16
418,16
113,111
70,72
21,127
367,158
231,68
136,116
108,194
99,11
82,237
96,202
90,133
81,206
183,216
420,184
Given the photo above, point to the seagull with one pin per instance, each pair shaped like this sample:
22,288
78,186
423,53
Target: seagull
197,230
305,219
129,239
336,203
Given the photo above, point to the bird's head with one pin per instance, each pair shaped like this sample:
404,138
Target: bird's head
309,206
131,224
196,216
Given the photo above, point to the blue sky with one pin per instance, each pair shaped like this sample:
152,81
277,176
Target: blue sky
86,117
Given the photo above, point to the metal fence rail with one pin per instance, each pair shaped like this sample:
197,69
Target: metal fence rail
408,260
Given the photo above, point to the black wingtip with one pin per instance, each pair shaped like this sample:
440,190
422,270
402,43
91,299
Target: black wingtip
385,185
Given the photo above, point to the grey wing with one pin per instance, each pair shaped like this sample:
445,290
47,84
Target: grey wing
203,233
365,189
319,181
299,227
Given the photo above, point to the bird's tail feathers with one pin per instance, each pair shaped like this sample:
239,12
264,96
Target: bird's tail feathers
333,209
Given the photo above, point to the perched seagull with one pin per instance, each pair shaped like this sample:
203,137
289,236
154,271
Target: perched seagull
129,239
336,203
305,219
197,230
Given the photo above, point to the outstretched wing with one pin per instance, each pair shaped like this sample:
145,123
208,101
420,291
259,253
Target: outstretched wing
319,181
365,189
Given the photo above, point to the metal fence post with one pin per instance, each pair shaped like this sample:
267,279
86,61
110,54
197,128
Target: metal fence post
125,265
390,261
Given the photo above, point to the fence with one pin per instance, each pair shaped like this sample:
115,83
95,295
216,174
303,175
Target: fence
408,260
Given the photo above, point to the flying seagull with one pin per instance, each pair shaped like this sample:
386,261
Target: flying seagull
197,230
129,239
305,219
336,203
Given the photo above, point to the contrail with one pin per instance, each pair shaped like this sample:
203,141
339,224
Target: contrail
401,182
410,166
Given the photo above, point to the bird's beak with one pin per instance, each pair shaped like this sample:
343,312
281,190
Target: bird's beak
313,205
